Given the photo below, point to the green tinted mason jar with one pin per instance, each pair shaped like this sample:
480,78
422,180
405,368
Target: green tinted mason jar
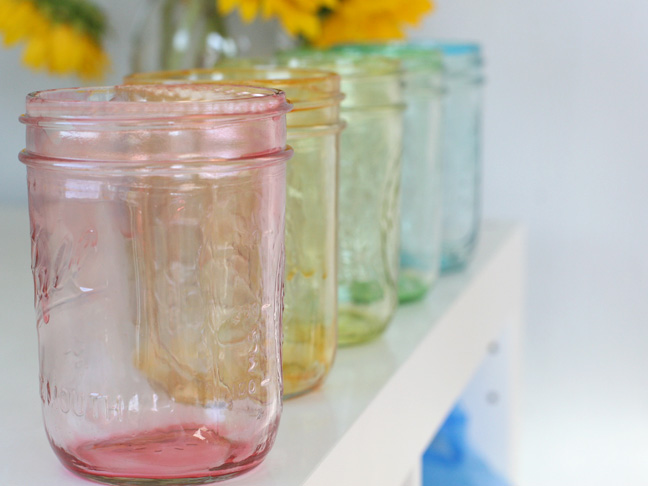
421,220
310,302
369,197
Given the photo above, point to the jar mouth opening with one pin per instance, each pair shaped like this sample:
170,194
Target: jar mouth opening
349,65
315,87
414,57
462,60
154,101
258,73
448,47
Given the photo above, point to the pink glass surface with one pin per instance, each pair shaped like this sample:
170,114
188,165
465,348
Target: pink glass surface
157,255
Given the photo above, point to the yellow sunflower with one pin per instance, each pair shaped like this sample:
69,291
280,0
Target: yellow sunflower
297,17
61,36
370,20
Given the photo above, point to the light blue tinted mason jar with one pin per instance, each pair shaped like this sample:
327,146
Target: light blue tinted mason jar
461,150
420,228
420,253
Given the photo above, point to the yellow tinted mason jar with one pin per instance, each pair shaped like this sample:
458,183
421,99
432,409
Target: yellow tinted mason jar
370,175
310,303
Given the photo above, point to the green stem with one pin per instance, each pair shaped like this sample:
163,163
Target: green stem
167,30
214,22
187,25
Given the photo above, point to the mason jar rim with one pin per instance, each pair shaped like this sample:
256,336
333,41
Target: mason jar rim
462,60
449,47
452,49
349,65
298,75
324,84
153,102
415,57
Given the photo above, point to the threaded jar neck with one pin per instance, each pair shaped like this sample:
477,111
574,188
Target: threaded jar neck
367,82
462,61
422,67
155,123
314,94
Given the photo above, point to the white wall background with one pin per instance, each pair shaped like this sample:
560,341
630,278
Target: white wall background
16,81
566,152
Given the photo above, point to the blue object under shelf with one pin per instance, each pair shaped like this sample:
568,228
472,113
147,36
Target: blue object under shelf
450,460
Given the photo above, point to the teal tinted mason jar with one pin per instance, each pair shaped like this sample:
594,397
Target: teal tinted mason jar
369,188
461,150
420,228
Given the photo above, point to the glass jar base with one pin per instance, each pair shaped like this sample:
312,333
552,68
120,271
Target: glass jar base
295,386
308,353
153,482
185,455
412,287
456,256
454,262
358,326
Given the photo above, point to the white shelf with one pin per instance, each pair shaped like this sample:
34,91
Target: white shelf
367,425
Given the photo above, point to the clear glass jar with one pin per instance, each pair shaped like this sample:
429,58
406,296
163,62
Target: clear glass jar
420,238
157,224
369,194
180,34
185,34
310,302
461,150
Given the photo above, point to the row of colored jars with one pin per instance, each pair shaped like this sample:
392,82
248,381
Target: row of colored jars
185,338
415,130
441,170
368,222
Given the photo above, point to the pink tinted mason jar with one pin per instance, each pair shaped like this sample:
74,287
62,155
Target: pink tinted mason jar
157,225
